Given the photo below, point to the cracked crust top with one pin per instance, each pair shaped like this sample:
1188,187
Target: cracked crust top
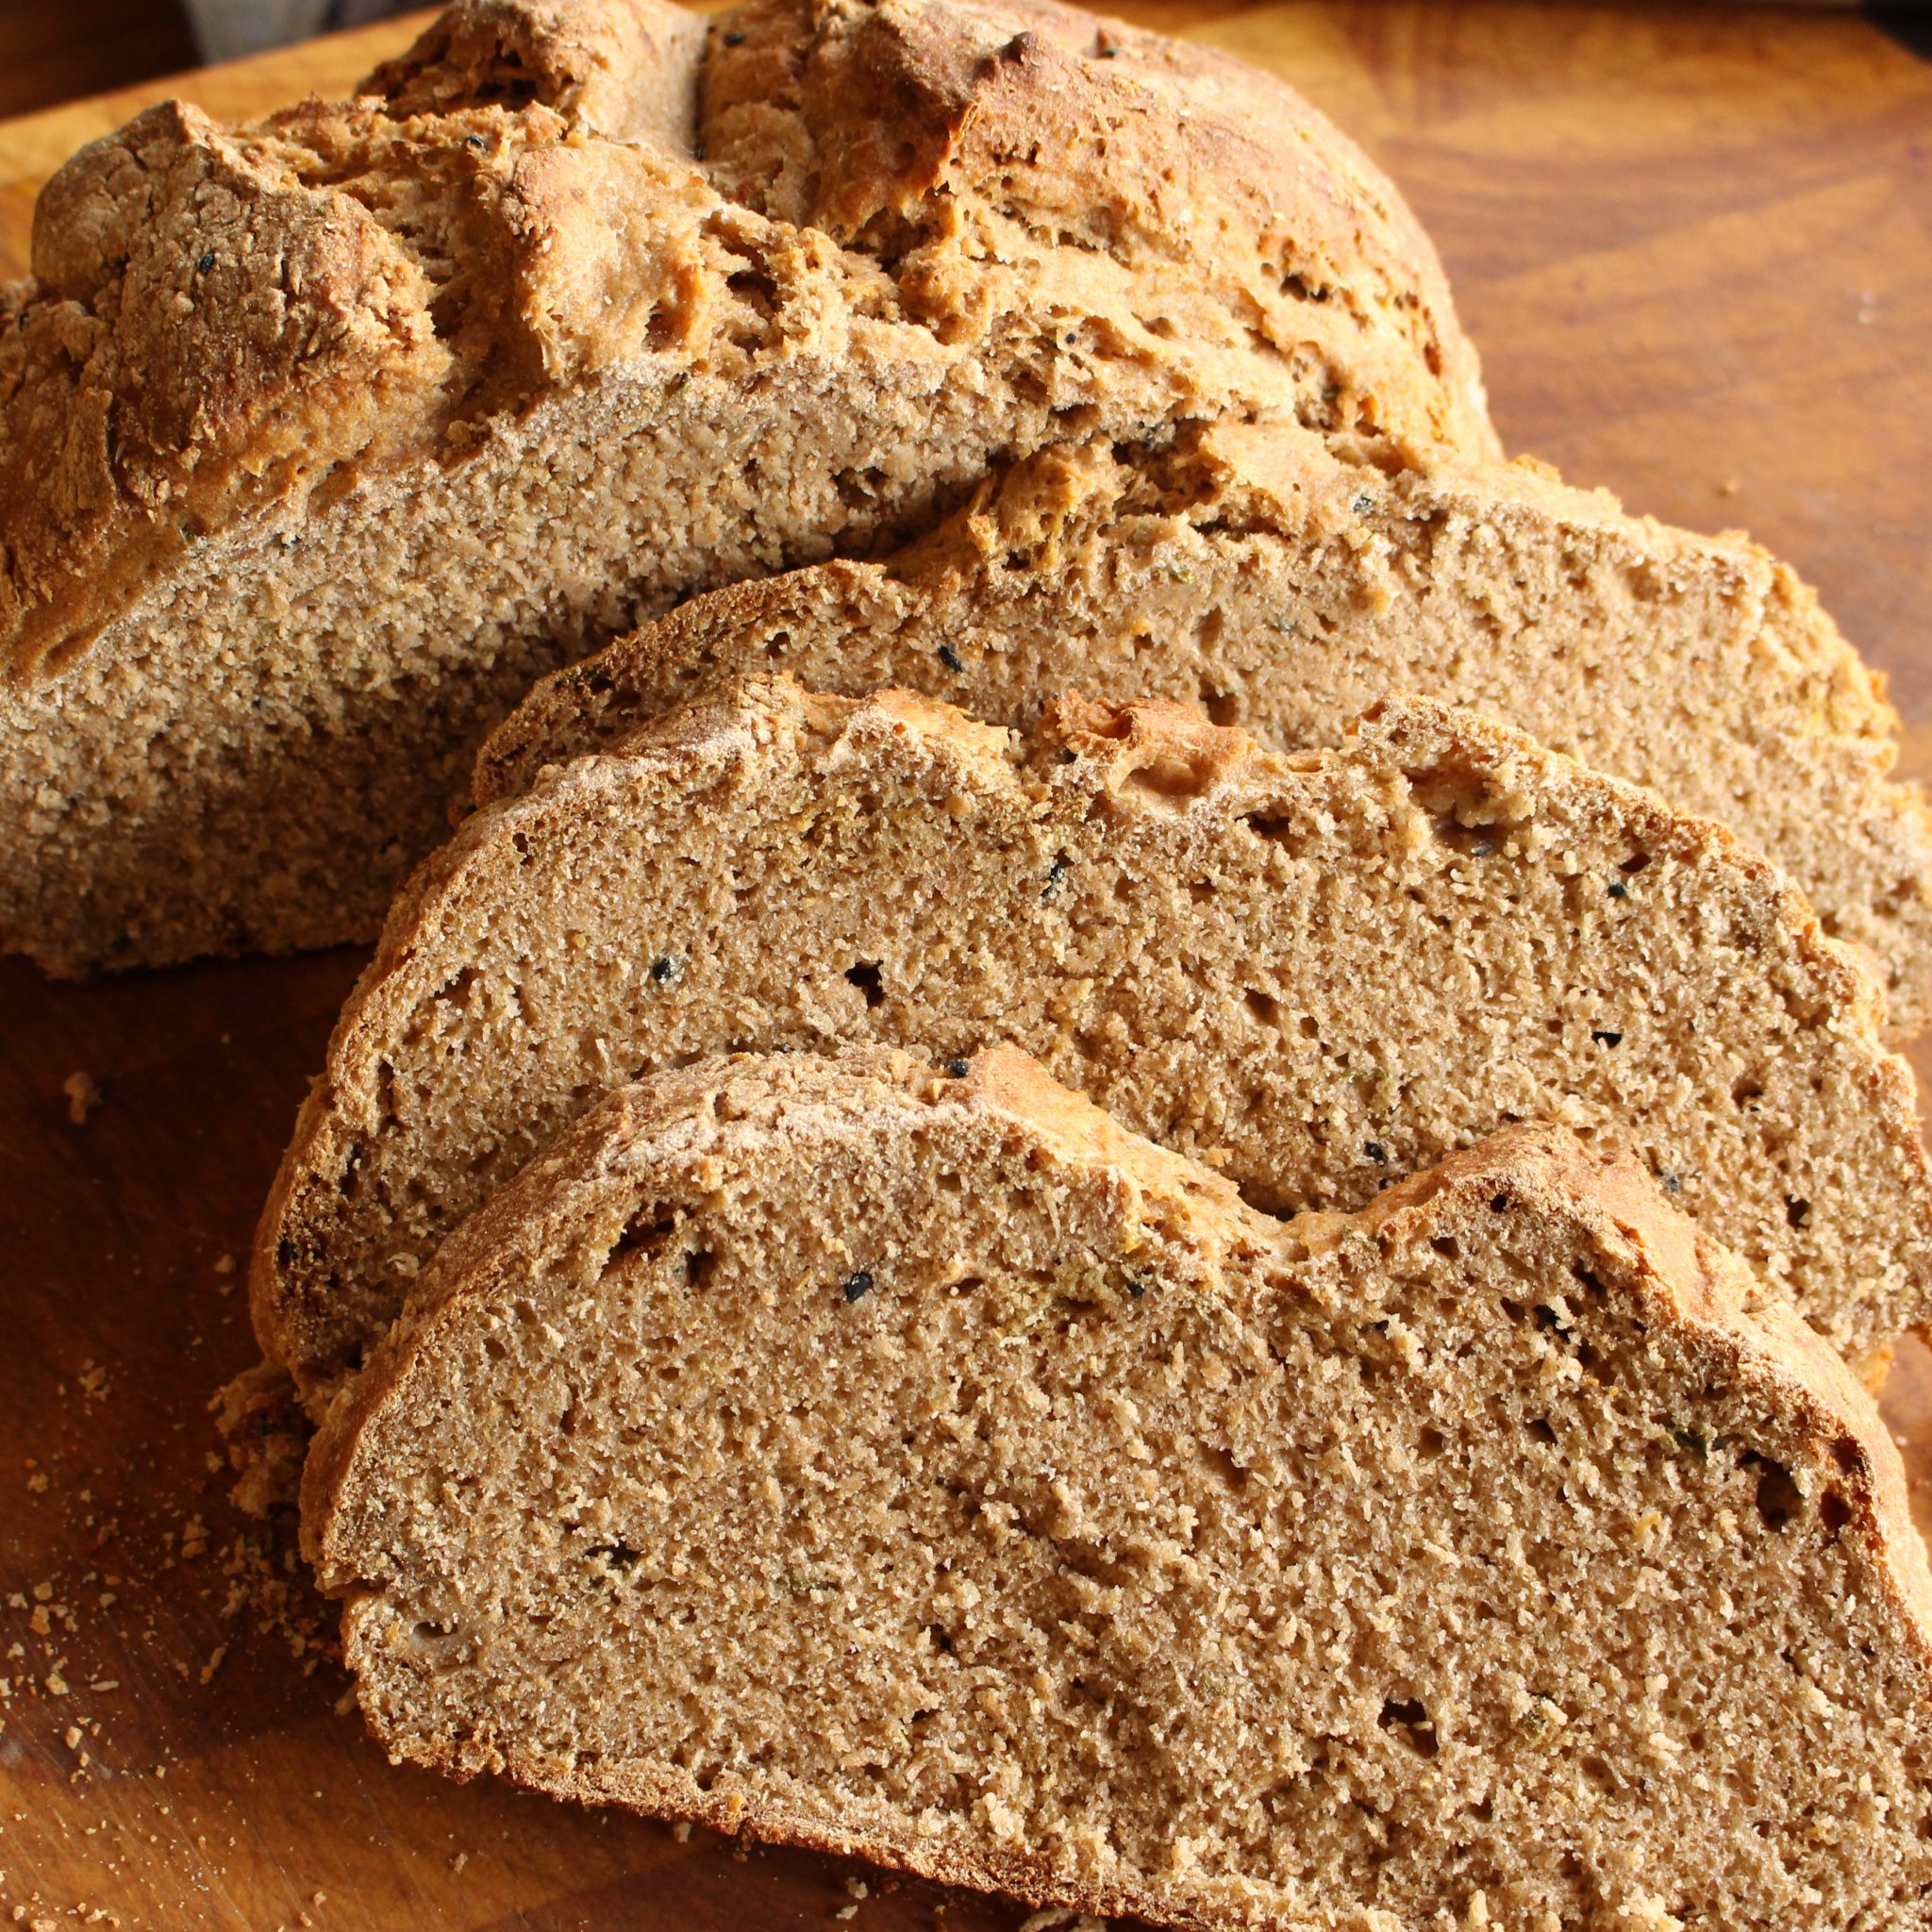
221,319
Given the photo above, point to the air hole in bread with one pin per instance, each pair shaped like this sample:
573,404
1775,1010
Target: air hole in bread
1277,831
644,1233
1778,1498
757,290
665,324
1410,1722
456,992
859,488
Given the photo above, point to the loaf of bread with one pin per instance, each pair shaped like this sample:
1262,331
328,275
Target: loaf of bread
320,439
927,1469
1287,586
1314,973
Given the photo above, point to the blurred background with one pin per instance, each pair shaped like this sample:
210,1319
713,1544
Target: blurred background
54,50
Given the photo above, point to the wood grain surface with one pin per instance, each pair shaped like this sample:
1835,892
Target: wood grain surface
51,50
1694,247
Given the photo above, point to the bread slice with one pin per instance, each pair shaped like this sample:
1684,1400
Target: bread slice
931,1470
320,439
1266,575
1314,972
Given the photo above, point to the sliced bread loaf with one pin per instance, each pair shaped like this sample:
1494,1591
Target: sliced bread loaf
320,439
1266,575
927,1469
1313,971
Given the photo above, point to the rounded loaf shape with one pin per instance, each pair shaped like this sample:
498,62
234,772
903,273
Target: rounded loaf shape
927,1469
1285,585
320,439
1315,972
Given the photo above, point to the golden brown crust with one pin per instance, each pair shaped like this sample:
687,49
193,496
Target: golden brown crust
905,126
206,326
561,340
611,67
222,320
226,322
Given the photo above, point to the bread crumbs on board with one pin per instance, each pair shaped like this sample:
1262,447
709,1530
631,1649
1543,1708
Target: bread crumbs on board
84,1095
77,1638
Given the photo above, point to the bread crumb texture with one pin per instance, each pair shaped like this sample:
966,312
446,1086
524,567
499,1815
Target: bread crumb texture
321,437
1477,1560
1315,973
1285,584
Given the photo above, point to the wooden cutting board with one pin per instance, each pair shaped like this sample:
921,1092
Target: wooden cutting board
1693,246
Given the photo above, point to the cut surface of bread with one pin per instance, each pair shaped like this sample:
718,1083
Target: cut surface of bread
320,439
927,1469
1314,972
1263,574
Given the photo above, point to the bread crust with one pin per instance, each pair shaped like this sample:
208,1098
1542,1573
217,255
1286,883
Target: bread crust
311,344
575,310
1689,1290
